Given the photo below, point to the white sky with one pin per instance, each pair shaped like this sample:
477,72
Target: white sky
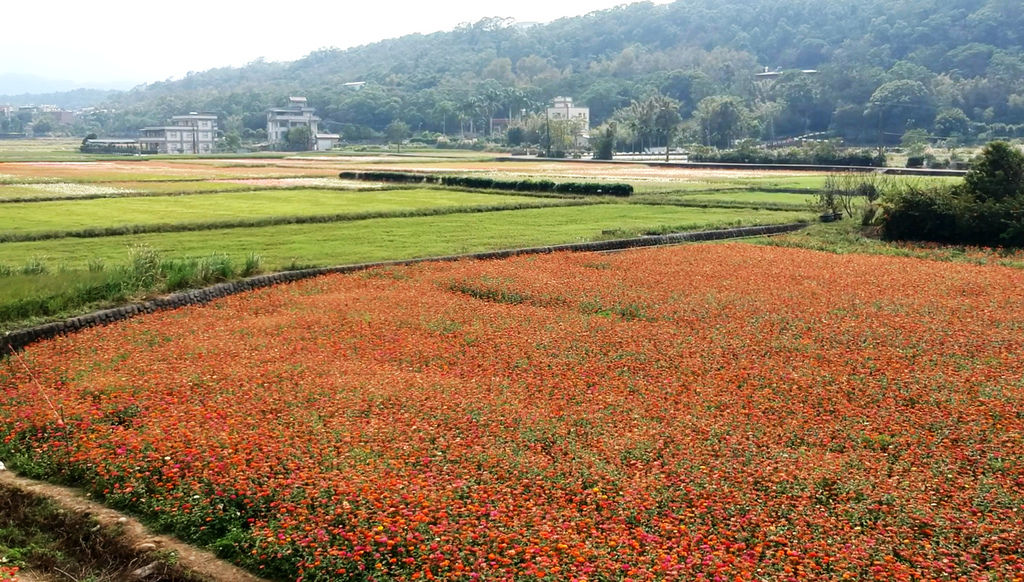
129,42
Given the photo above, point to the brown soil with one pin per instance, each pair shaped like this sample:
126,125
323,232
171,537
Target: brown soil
138,547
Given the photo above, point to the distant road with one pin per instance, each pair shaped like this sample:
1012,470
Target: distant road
654,161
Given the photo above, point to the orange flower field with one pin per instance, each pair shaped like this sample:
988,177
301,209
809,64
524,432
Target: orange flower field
703,412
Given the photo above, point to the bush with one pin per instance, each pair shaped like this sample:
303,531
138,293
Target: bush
987,209
485,183
919,214
823,154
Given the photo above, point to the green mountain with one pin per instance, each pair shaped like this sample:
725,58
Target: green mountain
949,68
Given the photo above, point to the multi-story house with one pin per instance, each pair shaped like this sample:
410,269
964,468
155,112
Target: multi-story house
194,133
563,108
280,120
575,122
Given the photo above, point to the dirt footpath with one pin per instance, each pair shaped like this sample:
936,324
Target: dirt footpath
134,553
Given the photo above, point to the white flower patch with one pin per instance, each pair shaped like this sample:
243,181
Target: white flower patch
70,189
335,183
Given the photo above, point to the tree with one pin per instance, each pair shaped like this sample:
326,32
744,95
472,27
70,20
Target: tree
515,135
42,126
396,132
299,138
900,105
232,142
721,120
997,174
561,136
952,122
604,141
666,118
915,142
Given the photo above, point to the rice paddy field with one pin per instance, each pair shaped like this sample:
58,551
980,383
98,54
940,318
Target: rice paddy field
817,405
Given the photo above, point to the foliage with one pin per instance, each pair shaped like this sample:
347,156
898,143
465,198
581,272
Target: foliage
721,120
299,138
46,539
492,183
397,132
906,63
603,141
987,209
997,174
562,416
825,153
851,193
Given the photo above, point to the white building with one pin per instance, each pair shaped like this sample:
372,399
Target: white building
326,141
194,133
563,108
297,114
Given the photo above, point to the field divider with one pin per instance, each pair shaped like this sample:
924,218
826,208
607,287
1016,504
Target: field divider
132,229
782,207
17,340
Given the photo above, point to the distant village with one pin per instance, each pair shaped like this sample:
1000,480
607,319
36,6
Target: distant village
291,127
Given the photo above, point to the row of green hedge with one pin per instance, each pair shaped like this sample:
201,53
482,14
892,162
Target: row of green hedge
822,156
485,183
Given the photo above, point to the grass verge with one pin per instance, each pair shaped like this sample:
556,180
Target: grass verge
40,538
32,298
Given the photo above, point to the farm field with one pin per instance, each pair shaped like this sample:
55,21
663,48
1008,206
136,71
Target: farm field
726,411
60,216
396,238
68,230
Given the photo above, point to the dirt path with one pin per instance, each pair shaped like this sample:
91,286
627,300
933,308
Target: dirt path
144,555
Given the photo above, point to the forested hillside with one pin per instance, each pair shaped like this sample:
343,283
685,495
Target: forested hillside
948,68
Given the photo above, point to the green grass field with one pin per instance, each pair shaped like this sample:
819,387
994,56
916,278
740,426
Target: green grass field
27,217
395,238
754,198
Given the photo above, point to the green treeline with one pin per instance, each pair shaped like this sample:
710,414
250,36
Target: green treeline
952,69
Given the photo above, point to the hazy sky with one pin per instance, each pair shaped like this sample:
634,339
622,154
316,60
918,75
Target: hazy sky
129,42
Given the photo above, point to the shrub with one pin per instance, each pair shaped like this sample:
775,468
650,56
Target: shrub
485,183
920,214
987,209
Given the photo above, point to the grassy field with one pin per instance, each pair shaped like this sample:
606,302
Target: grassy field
395,238
59,216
